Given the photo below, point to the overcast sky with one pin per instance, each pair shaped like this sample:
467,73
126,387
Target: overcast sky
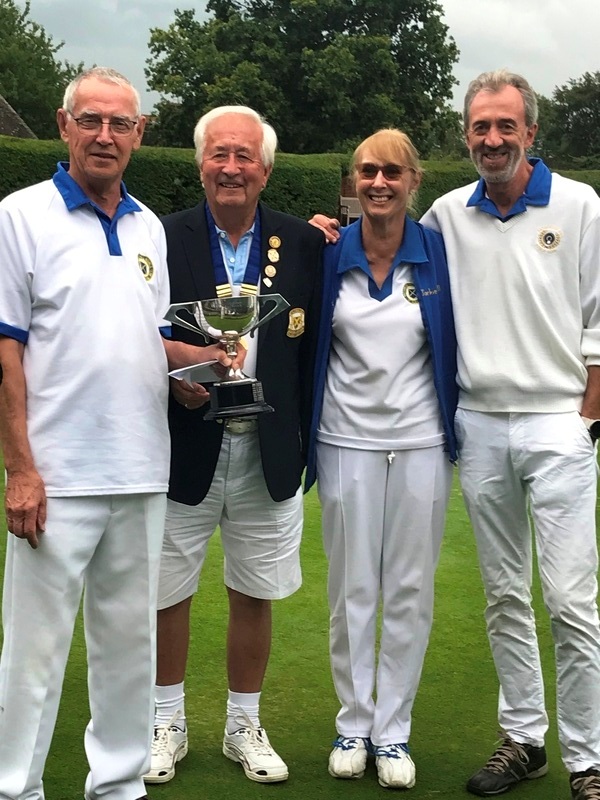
548,41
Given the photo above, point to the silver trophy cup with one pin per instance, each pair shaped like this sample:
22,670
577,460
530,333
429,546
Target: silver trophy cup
227,319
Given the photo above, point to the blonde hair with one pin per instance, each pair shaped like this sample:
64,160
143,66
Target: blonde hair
389,146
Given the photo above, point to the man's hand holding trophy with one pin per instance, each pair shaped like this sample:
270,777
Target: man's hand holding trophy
226,320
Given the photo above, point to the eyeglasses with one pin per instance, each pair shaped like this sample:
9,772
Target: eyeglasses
92,123
241,159
391,172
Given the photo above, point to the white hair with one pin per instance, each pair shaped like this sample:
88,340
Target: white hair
269,141
102,74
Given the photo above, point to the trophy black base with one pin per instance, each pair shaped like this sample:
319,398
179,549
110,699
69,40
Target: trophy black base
243,398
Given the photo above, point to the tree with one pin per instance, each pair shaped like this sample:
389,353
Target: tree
31,79
574,131
545,145
325,73
450,142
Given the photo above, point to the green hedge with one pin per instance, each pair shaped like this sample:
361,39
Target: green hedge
590,176
166,179
440,177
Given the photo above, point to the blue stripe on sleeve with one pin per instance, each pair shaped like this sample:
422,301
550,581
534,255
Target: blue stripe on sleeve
14,333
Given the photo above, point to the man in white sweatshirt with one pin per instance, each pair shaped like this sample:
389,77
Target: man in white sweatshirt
523,249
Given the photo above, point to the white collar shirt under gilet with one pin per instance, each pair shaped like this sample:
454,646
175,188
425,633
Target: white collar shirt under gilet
379,392
235,259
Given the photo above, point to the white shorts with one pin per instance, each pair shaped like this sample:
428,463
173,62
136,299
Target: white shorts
260,537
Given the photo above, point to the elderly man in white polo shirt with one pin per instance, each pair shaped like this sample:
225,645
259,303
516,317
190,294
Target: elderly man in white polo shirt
84,433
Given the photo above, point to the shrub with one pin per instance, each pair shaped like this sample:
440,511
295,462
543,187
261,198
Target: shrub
166,179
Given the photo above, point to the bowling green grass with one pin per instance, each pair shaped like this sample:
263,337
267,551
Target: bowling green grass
454,719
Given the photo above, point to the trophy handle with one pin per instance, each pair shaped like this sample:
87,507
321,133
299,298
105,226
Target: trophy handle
280,304
172,315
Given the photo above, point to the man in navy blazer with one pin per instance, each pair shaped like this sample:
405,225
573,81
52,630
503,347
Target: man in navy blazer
243,475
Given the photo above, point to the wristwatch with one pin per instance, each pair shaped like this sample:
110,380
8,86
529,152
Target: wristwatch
593,426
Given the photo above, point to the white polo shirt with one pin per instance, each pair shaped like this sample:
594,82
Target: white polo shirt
379,393
87,295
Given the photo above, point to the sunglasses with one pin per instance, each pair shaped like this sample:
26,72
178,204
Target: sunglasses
391,172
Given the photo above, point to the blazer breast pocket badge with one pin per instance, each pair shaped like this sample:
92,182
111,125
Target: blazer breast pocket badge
295,323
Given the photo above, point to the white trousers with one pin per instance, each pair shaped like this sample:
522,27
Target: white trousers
545,462
111,545
383,521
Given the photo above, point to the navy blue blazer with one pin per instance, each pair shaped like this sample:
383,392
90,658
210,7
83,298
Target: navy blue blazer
285,364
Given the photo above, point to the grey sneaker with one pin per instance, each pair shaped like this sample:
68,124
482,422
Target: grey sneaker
511,762
585,785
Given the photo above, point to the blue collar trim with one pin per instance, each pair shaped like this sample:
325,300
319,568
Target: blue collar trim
411,249
537,192
75,197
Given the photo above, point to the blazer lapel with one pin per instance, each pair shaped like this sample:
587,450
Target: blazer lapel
196,245
269,228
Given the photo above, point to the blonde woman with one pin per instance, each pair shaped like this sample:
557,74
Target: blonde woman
382,440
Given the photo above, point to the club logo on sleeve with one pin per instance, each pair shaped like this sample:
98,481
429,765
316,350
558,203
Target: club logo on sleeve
549,238
146,265
295,323
410,293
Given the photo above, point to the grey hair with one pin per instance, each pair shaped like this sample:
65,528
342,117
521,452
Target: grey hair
269,141
496,81
102,74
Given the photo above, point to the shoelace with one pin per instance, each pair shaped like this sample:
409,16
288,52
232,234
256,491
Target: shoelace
255,740
255,736
500,761
589,784
346,743
391,751
160,741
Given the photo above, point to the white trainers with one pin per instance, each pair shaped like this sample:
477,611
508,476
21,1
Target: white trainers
395,767
348,759
169,745
251,748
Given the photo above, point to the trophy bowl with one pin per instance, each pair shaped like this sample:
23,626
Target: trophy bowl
227,319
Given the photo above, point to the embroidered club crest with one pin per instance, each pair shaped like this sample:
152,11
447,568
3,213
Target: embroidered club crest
410,293
146,265
549,238
295,323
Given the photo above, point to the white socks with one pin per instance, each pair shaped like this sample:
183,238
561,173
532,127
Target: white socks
242,706
168,701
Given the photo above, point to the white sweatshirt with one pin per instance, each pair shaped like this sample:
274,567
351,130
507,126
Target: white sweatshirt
526,298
